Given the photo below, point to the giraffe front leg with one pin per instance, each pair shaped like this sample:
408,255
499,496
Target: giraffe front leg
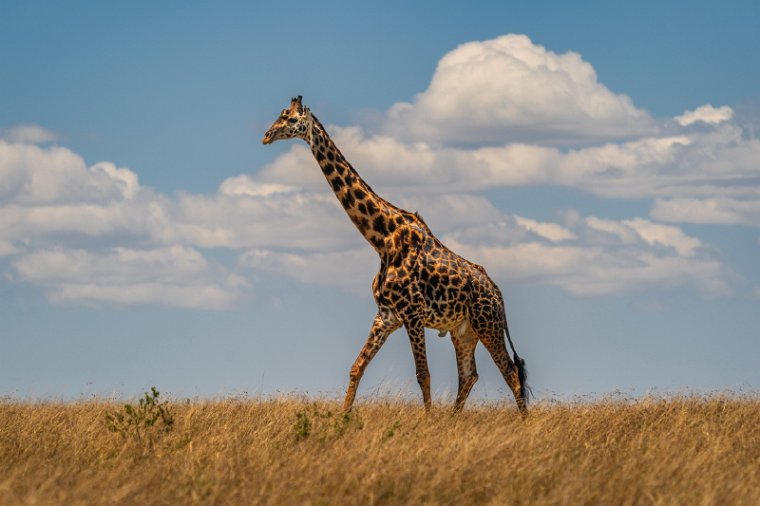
417,339
383,325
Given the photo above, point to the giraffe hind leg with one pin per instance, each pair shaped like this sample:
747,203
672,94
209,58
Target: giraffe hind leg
491,331
498,350
464,342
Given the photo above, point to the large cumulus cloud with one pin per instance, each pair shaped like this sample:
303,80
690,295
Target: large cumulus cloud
510,89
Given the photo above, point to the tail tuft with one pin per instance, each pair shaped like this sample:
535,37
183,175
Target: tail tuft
522,371
522,375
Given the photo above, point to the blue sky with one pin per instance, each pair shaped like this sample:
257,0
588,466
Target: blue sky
601,161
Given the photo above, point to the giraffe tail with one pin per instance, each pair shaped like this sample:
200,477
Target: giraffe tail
522,371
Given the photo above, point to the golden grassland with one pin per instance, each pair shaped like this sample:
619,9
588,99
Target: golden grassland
679,450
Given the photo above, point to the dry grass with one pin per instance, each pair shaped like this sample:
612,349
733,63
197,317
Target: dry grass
688,450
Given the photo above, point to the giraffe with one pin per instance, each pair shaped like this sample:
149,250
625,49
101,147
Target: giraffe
421,283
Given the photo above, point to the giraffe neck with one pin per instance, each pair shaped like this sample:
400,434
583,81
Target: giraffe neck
374,216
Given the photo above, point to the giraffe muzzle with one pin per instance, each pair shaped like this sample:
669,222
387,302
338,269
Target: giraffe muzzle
267,138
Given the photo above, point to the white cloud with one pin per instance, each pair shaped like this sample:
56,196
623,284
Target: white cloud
508,89
295,167
725,211
642,232
34,175
67,221
296,219
28,134
245,185
350,269
450,211
596,266
615,231
705,114
551,231
671,237
173,276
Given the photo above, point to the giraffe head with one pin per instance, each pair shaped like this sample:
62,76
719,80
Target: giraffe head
293,123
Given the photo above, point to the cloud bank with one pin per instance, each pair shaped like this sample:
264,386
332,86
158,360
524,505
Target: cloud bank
499,113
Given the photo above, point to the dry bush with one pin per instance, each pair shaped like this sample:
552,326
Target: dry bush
687,450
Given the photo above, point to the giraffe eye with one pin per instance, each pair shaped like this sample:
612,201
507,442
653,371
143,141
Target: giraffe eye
292,121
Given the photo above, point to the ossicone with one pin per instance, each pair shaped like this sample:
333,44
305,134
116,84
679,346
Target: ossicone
295,103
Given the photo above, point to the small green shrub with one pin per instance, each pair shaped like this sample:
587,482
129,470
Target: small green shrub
325,423
391,431
302,427
143,423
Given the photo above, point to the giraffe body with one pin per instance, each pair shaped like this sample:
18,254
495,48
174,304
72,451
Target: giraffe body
421,283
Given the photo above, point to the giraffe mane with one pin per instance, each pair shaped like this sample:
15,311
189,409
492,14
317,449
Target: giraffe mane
309,127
